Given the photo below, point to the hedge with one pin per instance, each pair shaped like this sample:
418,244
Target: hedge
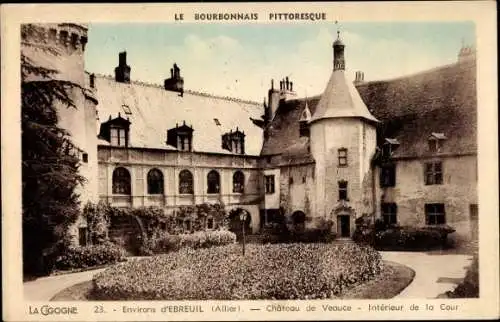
201,239
89,256
272,271
402,237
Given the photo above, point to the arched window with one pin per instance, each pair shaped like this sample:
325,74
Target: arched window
238,182
155,182
186,182
213,182
121,181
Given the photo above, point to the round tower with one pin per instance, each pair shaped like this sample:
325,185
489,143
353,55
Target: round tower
60,47
343,141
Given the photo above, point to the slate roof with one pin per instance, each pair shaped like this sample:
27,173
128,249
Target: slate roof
154,110
341,99
411,108
442,100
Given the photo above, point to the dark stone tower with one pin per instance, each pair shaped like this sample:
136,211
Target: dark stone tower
338,54
122,71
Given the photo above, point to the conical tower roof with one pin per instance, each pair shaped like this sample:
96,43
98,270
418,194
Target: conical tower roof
340,98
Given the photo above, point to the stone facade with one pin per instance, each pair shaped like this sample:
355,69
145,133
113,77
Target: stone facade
324,166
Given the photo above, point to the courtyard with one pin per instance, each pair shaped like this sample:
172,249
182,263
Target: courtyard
433,275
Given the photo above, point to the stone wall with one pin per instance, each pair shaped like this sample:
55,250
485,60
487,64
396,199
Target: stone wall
457,192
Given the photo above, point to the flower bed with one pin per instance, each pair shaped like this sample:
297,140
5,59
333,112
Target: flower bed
89,256
273,271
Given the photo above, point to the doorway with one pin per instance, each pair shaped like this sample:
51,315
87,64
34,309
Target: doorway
344,226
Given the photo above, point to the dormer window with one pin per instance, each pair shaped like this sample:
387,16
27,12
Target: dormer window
436,141
116,131
118,136
305,117
181,137
234,141
389,146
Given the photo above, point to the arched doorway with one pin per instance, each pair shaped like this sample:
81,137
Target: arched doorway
127,232
299,221
235,224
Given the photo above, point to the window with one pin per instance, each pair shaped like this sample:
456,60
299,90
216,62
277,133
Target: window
121,181
238,182
63,37
435,141
388,175
234,141
342,154
85,157
433,173
210,223
52,34
303,179
343,190
186,182
434,145
74,40
434,214
389,213
269,184
82,236
155,182
184,143
213,182
126,109
118,137
290,180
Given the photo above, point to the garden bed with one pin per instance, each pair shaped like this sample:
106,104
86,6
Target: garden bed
280,271
390,282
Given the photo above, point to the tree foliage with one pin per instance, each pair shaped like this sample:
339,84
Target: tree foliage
49,167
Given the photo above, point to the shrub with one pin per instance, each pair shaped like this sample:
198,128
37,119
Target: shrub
392,237
411,238
200,239
469,288
88,256
277,271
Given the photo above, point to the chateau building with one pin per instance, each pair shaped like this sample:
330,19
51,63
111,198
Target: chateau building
403,150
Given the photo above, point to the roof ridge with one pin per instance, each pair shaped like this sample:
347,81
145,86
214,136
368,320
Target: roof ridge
420,73
189,91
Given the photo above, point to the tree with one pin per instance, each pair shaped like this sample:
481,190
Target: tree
49,164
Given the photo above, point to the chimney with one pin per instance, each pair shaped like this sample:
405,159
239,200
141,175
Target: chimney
122,58
359,78
122,71
273,99
175,83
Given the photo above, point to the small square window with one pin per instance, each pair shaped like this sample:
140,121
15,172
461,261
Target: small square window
85,157
389,213
269,184
343,190
433,173
342,154
435,214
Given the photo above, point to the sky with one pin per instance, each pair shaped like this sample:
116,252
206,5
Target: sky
240,60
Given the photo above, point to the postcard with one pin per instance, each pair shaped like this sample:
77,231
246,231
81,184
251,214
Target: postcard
250,161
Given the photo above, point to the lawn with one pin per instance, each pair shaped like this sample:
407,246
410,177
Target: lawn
291,271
